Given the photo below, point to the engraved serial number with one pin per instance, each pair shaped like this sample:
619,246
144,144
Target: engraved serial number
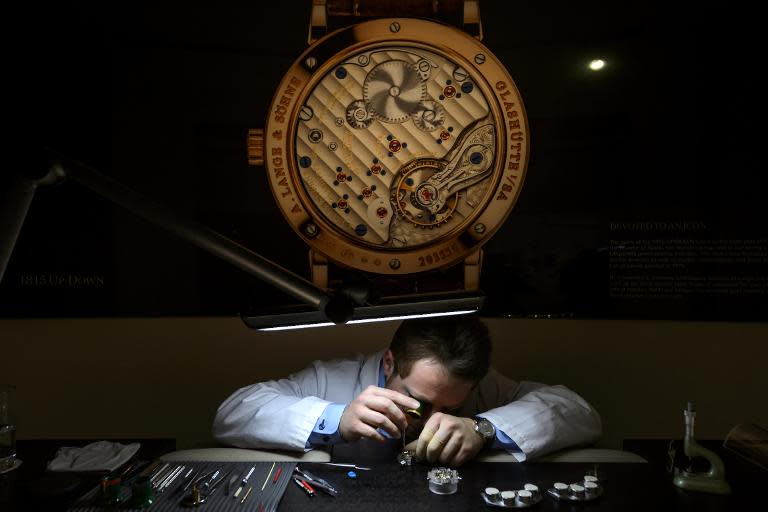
437,256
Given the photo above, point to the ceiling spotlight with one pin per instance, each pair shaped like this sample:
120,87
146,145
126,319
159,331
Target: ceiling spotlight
597,64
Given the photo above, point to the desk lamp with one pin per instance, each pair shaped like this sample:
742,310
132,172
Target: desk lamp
350,304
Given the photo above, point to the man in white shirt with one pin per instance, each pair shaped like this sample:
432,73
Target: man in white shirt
438,367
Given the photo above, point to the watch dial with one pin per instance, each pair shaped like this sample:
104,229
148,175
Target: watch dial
485,428
396,147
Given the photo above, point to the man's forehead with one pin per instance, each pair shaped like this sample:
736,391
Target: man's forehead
431,382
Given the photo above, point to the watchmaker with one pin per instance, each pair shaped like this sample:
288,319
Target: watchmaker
439,371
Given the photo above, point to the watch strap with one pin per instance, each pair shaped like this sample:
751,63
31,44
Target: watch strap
461,278
434,9
329,15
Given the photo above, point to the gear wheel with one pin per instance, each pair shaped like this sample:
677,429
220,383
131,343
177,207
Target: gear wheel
394,90
358,116
410,193
429,116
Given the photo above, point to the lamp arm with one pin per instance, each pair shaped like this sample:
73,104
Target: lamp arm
337,308
16,195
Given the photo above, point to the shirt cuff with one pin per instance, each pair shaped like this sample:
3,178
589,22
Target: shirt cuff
503,441
326,429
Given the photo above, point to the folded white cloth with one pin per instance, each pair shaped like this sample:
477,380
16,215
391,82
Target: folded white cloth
98,456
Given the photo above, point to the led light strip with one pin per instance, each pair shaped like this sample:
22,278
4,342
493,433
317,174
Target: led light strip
370,320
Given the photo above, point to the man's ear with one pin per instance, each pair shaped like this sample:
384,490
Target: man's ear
388,363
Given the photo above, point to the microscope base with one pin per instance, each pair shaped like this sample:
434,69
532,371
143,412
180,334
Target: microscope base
702,483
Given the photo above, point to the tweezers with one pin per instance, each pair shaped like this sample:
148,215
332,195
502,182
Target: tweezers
342,465
317,482
194,477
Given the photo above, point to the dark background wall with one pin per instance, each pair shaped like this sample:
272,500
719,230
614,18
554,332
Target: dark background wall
664,144
644,196
165,377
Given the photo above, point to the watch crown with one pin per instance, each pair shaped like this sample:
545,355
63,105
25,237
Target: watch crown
256,146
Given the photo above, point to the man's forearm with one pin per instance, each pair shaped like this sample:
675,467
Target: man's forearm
547,419
256,417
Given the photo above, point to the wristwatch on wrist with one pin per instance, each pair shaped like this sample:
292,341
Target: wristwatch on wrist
485,429
395,146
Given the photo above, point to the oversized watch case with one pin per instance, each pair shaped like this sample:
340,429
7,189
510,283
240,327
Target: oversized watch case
395,147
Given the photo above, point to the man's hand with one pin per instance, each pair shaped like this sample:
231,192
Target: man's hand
448,440
372,409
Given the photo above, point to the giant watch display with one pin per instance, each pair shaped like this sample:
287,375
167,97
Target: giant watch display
395,147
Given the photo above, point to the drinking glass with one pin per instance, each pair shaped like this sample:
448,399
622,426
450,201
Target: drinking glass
7,427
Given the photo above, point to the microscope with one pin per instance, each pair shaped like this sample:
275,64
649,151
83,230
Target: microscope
713,481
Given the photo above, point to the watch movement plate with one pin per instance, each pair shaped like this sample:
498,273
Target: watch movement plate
396,151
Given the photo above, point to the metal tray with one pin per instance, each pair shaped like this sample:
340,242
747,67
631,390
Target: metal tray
593,496
517,504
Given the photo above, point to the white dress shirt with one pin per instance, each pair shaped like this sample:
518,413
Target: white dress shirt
282,414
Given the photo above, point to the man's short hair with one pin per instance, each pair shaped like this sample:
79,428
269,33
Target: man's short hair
460,343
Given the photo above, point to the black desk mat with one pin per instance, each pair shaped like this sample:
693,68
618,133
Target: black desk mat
388,487
266,500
